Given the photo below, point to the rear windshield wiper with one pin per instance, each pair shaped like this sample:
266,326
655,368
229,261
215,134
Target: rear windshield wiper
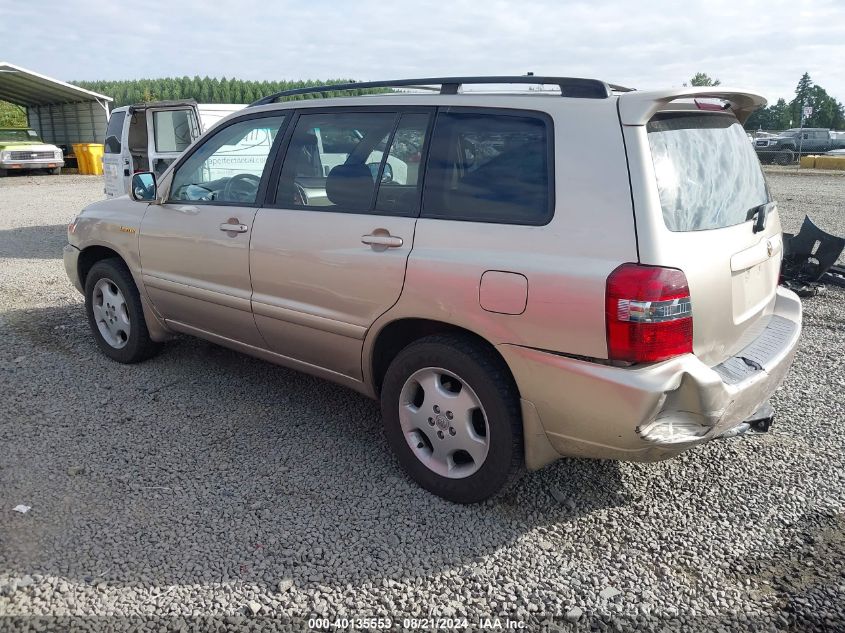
761,212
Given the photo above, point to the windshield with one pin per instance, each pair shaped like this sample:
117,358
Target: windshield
789,133
19,135
708,175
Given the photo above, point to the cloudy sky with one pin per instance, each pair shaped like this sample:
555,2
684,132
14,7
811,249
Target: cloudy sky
761,44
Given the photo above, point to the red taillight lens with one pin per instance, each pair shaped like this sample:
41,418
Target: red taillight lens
648,314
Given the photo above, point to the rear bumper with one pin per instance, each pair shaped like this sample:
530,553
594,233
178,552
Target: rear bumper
650,412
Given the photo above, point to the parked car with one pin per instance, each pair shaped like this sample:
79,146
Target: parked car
532,277
21,149
785,148
150,136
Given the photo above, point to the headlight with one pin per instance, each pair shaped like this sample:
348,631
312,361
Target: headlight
58,154
5,156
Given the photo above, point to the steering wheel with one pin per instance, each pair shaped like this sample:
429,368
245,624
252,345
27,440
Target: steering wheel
241,188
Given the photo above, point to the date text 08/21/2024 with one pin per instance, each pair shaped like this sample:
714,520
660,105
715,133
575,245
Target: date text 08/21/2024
423,623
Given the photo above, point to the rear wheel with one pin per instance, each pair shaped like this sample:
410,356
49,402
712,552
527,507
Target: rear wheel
115,314
784,157
451,414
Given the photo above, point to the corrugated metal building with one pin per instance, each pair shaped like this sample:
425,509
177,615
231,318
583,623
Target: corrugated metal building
61,113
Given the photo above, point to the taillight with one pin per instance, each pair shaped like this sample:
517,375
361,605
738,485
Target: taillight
648,313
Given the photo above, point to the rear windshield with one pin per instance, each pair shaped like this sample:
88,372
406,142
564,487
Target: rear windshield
708,175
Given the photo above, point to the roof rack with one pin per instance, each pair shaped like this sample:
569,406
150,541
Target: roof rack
569,86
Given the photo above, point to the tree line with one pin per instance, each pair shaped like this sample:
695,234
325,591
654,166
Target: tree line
827,111
203,89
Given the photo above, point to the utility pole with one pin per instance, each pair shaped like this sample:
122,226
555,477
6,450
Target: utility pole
804,107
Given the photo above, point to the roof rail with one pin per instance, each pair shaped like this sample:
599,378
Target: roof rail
569,86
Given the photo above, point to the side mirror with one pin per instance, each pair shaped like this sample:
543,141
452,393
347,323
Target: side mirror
386,175
143,187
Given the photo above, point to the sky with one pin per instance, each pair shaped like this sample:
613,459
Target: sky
763,45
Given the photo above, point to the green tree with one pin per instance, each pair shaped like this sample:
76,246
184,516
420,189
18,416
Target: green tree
703,79
12,115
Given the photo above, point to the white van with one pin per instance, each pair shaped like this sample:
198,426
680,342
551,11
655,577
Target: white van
150,136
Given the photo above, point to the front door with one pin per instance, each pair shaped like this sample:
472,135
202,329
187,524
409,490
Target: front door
195,246
328,257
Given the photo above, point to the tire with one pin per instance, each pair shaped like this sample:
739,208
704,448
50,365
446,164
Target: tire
115,314
784,157
3,173
421,435
56,171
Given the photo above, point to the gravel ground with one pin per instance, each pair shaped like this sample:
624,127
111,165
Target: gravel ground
205,483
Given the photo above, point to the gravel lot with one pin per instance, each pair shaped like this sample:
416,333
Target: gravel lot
205,483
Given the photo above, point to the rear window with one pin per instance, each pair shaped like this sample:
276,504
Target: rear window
708,175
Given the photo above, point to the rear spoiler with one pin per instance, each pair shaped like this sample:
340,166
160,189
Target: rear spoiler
637,108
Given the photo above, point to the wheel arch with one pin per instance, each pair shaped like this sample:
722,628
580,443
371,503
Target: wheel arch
398,334
94,253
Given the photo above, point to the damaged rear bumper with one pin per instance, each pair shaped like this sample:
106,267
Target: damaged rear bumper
649,412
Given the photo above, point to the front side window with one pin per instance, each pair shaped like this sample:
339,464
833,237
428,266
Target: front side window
489,168
334,159
114,132
174,130
228,166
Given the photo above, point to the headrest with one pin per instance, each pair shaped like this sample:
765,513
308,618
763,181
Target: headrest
350,187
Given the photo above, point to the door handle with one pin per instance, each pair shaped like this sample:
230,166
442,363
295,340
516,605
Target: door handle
388,241
234,228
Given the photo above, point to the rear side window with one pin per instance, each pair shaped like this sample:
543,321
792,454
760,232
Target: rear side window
708,175
114,132
489,167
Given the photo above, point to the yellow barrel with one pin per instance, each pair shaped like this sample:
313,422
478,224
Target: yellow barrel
95,159
80,150
808,162
830,162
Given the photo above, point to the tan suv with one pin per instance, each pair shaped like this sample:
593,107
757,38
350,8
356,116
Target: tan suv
586,271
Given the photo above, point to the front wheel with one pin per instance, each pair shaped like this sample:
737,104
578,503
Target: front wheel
784,157
451,414
115,314
56,171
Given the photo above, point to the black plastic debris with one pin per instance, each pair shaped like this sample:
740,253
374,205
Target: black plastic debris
809,260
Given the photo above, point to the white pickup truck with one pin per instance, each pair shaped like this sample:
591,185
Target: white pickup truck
150,136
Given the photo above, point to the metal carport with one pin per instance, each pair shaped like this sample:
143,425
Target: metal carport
62,114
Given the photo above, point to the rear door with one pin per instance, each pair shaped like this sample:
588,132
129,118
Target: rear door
708,182
115,164
172,130
330,258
